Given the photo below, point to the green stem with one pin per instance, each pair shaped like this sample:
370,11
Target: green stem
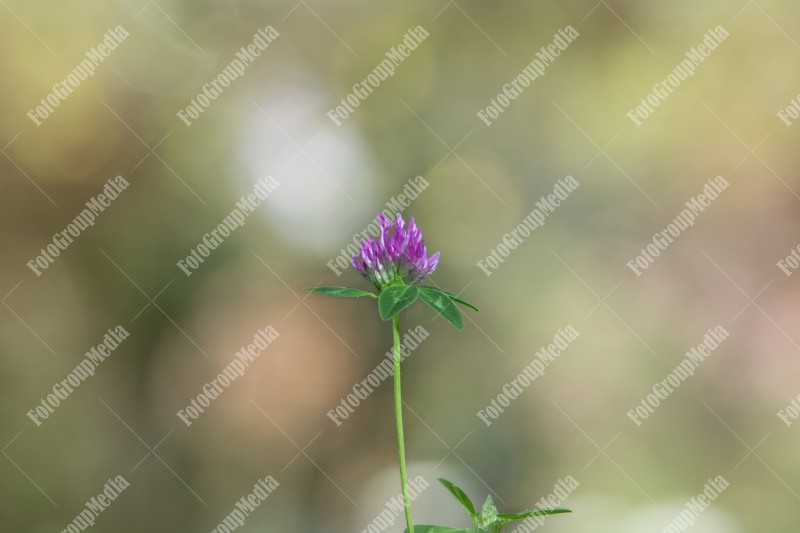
398,416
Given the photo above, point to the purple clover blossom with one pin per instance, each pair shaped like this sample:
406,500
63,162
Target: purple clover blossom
395,257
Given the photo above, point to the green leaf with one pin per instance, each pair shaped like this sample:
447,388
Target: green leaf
460,300
531,512
454,297
394,299
488,513
341,292
442,304
462,498
497,526
441,529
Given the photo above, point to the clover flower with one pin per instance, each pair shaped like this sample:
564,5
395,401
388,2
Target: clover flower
397,256
395,262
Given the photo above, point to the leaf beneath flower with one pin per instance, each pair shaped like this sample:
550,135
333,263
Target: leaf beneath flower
442,304
341,292
460,300
394,299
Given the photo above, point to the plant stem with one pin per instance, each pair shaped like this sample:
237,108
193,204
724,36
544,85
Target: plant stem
398,416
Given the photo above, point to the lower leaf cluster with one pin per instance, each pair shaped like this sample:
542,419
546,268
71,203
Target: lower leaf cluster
488,520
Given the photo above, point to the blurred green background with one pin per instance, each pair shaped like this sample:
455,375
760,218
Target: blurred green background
333,179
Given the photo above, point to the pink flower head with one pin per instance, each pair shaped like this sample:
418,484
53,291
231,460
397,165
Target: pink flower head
396,256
